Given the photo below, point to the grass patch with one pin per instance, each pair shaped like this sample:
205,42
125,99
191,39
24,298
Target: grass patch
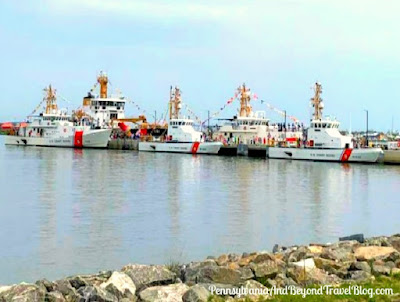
382,282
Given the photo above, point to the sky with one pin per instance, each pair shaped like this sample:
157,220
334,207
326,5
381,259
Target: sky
207,48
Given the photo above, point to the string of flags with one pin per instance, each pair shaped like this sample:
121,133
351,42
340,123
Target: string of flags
196,118
228,102
136,105
37,107
281,112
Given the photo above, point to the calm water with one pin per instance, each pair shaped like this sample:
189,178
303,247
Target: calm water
65,211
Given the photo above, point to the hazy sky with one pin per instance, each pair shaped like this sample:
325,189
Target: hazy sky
208,48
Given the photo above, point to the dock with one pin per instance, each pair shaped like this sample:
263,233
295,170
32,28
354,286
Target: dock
123,144
391,157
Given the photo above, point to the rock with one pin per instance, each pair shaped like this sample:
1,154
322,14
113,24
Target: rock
77,282
233,265
121,285
281,281
377,241
356,237
308,264
168,293
342,251
96,279
233,257
395,271
95,294
23,293
316,249
65,288
267,269
246,273
361,266
373,252
299,254
196,293
390,264
149,275
360,276
333,267
315,276
45,284
253,287
245,260
55,296
198,273
395,242
222,260
379,269
263,257
4,288
277,249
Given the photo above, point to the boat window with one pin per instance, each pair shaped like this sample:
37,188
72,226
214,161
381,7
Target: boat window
324,125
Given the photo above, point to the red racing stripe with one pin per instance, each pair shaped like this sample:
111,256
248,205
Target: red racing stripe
346,155
195,147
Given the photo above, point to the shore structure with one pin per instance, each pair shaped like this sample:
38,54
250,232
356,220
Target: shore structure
250,127
352,260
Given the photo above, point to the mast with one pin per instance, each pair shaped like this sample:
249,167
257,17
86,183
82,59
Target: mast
175,102
102,79
316,102
245,108
51,100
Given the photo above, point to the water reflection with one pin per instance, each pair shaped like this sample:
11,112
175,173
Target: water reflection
68,211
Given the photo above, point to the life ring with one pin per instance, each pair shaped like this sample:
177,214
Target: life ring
308,143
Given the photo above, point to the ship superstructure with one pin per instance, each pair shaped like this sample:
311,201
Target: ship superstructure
251,127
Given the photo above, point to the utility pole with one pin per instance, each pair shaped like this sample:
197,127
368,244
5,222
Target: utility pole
285,125
208,122
366,134
155,117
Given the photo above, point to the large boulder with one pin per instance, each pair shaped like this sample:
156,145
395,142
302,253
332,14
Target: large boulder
361,266
339,268
55,296
168,293
23,293
298,254
313,277
377,241
395,242
379,268
341,251
211,273
120,285
360,276
254,290
267,268
308,264
365,253
65,288
196,293
149,275
96,294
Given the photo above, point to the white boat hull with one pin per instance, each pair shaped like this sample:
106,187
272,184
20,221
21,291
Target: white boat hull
90,139
191,148
370,155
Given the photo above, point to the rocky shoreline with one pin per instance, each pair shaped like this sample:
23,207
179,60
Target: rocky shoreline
346,261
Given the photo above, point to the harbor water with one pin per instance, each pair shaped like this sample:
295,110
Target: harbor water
66,211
